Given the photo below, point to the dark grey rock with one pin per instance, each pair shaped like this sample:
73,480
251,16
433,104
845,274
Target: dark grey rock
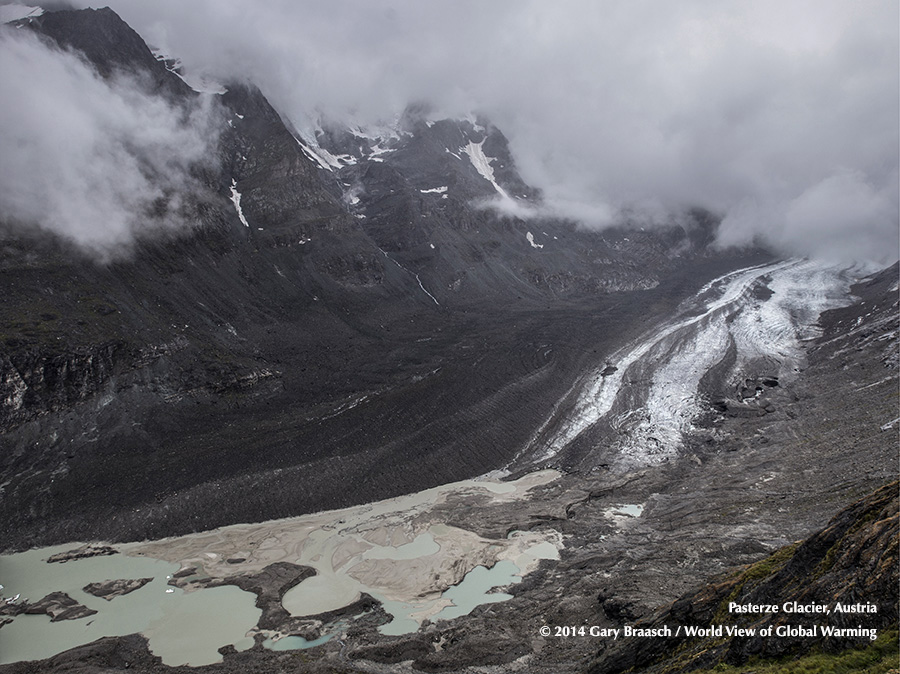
110,589
59,606
84,552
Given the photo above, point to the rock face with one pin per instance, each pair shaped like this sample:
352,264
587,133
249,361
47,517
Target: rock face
59,606
349,314
110,589
851,563
109,44
443,199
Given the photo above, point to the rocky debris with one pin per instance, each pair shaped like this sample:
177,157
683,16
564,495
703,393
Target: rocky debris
33,382
269,585
852,562
737,503
466,645
110,589
109,654
617,609
364,604
736,409
185,572
5,621
871,324
11,606
59,606
85,551
393,651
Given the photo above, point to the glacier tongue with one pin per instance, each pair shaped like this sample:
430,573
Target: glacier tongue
652,397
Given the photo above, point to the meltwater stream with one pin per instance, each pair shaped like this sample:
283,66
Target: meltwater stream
760,315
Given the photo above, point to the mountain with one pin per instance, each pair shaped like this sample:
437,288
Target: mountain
853,557
342,312
761,497
443,198
332,314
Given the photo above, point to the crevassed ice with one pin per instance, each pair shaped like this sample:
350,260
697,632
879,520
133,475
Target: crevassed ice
654,390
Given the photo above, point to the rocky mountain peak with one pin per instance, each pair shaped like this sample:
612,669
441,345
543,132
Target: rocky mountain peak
109,44
312,270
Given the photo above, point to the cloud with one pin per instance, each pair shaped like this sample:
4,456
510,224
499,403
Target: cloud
96,162
640,106
842,215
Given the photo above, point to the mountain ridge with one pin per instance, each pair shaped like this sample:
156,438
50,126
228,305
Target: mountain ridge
288,309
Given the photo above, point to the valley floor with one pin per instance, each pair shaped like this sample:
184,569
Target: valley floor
762,466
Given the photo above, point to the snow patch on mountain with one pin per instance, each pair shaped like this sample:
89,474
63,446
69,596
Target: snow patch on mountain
482,164
379,150
316,157
236,200
378,132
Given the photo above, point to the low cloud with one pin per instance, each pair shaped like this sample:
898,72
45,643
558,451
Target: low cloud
841,216
755,110
98,162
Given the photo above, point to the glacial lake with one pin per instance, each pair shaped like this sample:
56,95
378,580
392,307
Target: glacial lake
182,628
396,550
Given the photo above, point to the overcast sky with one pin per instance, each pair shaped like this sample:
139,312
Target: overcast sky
781,115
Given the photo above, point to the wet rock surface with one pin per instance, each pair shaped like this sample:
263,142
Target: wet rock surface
111,589
84,552
59,606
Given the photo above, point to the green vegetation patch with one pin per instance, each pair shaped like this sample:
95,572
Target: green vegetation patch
753,575
880,657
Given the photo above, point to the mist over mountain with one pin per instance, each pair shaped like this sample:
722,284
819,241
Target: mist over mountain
767,113
240,255
95,160
417,335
